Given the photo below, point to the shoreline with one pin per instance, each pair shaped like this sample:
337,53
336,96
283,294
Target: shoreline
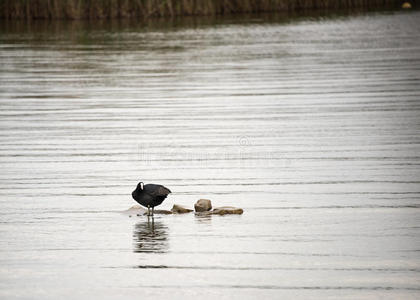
144,10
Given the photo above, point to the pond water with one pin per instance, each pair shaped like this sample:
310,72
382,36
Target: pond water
311,125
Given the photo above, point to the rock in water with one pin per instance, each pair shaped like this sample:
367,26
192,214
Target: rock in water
178,209
202,205
162,212
135,210
227,210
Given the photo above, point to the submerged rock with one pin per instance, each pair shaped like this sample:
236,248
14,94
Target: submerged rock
135,210
227,210
178,209
202,205
138,210
162,212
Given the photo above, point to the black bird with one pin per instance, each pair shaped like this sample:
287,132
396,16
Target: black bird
150,195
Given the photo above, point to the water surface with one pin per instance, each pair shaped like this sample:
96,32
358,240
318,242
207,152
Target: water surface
311,125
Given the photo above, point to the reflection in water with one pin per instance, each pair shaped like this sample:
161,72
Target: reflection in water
150,236
203,219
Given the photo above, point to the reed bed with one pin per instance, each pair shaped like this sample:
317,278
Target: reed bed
100,9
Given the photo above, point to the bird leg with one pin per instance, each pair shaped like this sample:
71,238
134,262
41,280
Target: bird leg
153,211
148,210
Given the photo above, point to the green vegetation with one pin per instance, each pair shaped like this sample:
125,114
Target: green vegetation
99,9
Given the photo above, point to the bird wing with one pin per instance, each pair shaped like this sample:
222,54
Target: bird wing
156,190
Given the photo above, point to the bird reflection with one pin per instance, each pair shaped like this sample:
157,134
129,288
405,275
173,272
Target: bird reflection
150,236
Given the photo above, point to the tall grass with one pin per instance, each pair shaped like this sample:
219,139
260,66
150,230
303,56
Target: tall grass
99,9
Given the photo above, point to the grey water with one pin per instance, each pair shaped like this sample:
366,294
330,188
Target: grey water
310,124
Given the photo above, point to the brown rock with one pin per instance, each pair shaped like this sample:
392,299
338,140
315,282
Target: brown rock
227,210
178,209
202,205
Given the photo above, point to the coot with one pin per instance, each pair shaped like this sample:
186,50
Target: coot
150,195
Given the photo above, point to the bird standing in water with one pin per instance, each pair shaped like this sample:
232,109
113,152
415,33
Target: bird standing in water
150,195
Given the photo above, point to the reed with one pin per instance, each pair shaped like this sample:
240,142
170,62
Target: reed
100,9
